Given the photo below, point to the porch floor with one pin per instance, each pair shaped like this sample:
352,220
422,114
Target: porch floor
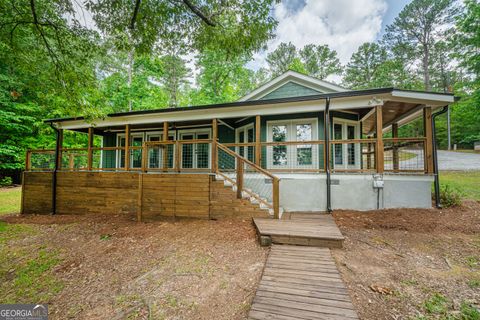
304,229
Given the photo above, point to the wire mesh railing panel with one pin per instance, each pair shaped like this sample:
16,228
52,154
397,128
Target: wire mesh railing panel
160,157
227,164
297,156
352,156
404,155
74,159
258,183
41,160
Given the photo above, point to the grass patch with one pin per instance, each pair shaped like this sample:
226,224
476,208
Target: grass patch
440,307
25,272
467,183
10,200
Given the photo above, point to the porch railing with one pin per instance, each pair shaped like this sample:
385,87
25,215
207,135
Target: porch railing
248,178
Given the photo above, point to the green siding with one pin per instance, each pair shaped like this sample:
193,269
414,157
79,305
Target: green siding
109,156
290,89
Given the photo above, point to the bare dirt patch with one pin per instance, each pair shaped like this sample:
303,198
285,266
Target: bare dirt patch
405,263
112,267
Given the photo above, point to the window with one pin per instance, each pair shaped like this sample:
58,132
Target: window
346,155
136,140
156,153
292,156
195,155
246,134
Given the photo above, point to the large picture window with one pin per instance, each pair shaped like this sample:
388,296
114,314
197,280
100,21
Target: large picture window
292,156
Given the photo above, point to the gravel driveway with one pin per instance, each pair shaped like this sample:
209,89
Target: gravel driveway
450,160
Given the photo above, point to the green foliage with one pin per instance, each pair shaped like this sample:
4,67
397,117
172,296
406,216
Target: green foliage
6,181
320,61
281,58
449,197
466,183
10,201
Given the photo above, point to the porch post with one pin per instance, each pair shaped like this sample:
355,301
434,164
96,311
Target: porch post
395,160
428,147
258,146
127,147
89,149
379,137
214,144
165,147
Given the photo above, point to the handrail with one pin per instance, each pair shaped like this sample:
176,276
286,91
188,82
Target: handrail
240,178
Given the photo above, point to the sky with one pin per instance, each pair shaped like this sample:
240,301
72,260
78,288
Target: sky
342,24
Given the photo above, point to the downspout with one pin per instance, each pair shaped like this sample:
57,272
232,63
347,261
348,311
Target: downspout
435,157
55,169
326,127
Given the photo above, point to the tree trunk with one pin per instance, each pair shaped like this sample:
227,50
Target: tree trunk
426,71
130,72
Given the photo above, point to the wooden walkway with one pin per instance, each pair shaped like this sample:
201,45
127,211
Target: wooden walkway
307,229
301,283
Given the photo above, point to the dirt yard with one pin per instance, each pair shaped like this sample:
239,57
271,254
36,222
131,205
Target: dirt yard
412,264
110,267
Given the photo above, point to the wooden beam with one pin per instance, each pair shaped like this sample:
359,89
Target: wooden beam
127,147
214,145
177,156
144,157
276,198
395,159
165,147
89,149
379,136
239,178
427,128
140,197
258,147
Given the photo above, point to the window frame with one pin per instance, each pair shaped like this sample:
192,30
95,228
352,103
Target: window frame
357,146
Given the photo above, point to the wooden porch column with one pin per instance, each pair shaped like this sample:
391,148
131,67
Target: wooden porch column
428,147
379,136
395,159
165,146
127,147
258,146
214,145
60,143
239,178
89,150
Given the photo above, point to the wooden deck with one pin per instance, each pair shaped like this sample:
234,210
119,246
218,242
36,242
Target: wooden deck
306,229
301,283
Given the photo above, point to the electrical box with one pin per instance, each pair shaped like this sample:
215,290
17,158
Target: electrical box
378,182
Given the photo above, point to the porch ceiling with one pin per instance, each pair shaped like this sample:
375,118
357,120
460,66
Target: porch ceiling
393,112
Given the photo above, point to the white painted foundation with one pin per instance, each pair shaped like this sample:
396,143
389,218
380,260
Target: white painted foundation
308,192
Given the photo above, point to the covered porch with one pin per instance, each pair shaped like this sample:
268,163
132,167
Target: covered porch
277,153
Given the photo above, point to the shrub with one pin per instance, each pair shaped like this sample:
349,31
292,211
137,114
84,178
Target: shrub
449,197
6,181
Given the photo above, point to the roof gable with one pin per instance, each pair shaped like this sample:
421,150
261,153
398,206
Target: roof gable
292,84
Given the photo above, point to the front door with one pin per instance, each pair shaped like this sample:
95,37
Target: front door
195,155
246,135
346,155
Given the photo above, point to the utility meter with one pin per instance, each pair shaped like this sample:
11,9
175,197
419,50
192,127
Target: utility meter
378,182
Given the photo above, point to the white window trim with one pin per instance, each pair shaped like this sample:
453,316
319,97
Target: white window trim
119,152
291,136
245,129
158,134
358,156
195,132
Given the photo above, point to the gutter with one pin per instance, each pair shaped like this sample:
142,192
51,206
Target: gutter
435,157
55,169
326,127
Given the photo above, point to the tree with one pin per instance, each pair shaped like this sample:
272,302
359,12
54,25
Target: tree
174,77
365,67
320,61
280,60
223,76
417,28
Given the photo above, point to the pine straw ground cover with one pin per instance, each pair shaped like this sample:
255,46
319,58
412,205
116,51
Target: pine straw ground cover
110,267
412,264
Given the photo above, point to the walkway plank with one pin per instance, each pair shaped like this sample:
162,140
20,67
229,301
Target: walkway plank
315,229
301,283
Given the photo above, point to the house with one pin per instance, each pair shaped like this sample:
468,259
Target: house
294,144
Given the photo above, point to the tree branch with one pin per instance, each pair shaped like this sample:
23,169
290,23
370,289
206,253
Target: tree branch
199,13
135,13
